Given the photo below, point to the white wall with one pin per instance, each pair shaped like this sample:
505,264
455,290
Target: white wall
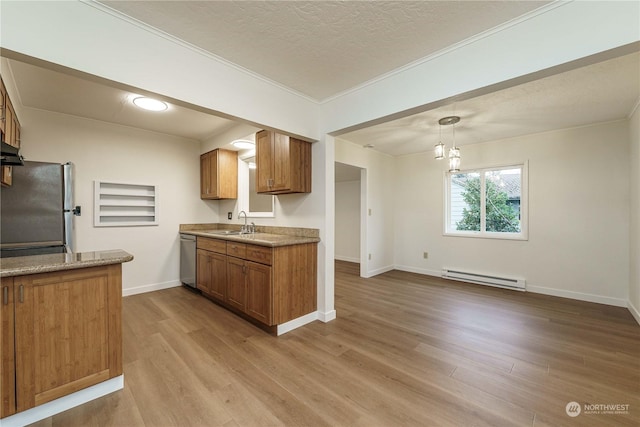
578,243
103,151
347,235
634,235
378,235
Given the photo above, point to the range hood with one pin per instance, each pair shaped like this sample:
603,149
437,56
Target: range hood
10,155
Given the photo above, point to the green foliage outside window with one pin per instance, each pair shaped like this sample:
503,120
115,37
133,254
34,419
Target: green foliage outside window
500,216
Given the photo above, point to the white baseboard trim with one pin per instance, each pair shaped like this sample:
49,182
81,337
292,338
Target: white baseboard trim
327,316
409,269
346,258
150,288
296,323
62,404
634,311
377,271
618,302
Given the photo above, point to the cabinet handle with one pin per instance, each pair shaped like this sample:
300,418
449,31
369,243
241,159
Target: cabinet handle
21,293
244,269
5,295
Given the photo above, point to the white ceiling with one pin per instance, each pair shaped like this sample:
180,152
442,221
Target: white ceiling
323,48
54,91
601,92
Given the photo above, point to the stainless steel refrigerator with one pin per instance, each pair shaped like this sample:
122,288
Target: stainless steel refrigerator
36,212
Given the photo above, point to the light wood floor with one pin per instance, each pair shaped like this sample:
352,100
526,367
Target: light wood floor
405,350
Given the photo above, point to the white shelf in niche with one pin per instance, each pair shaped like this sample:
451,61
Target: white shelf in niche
120,204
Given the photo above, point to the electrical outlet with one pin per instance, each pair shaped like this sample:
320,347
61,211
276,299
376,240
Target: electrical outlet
369,256
425,255
229,215
369,212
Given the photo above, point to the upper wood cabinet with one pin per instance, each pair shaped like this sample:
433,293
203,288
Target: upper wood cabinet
283,164
219,174
9,130
3,107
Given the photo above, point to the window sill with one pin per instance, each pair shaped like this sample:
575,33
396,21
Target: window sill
485,235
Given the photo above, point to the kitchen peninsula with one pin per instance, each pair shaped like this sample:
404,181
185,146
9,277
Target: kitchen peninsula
61,332
268,277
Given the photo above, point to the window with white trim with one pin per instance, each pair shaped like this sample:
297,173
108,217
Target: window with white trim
487,202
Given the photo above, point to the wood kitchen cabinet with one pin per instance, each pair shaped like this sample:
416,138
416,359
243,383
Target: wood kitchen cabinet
219,174
283,164
259,295
270,284
7,352
236,283
3,107
9,130
61,332
211,275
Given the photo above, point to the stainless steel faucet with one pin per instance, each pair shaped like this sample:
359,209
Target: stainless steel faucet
245,228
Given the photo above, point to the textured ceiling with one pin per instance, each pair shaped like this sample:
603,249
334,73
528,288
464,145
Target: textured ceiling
322,48
601,92
53,91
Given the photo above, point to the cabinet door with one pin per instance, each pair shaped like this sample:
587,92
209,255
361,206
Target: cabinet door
7,175
3,106
227,173
281,160
236,283
218,274
8,361
264,163
205,176
203,271
10,123
259,293
68,332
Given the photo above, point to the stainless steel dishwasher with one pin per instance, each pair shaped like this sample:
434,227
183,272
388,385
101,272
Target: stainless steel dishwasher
188,260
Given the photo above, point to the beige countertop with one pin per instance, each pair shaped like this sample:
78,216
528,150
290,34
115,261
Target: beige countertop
20,266
265,235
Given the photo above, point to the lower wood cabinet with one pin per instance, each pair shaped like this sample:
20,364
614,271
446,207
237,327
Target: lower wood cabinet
60,332
236,283
271,285
211,275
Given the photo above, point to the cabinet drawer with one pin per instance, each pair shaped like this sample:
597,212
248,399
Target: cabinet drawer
238,250
259,254
212,245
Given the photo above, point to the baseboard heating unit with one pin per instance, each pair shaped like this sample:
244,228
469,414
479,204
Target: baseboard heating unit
484,279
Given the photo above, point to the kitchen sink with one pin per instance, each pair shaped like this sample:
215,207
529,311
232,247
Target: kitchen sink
225,232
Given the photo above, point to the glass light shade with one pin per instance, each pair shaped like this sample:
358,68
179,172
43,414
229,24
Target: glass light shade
454,164
439,151
243,144
454,152
150,104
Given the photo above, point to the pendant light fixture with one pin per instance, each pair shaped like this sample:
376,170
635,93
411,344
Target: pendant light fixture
454,151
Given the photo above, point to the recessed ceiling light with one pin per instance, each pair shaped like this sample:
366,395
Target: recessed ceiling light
243,144
150,104
368,146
